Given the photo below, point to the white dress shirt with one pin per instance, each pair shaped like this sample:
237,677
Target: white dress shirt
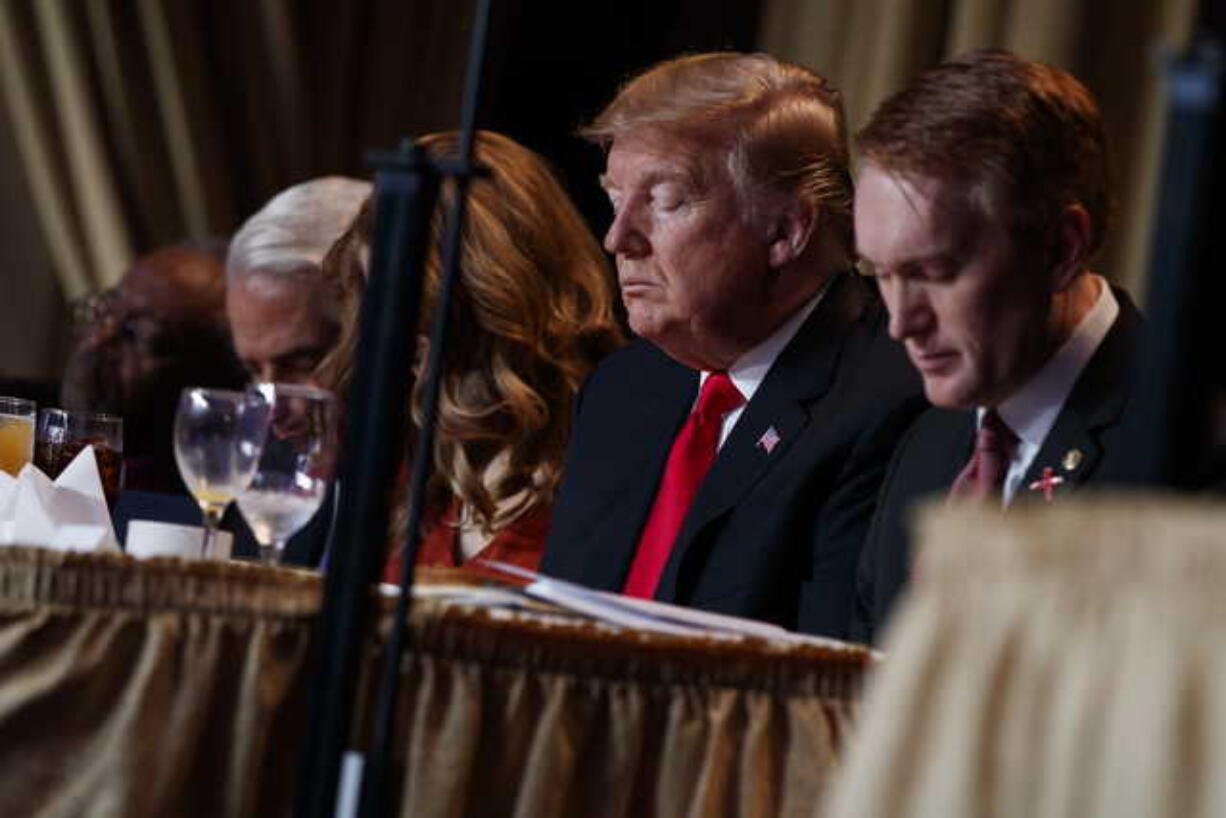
1032,410
749,370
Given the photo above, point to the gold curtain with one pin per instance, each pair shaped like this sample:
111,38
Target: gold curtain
871,48
162,687
144,122
1057,662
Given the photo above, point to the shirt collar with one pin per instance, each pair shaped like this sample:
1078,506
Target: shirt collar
749,370
1032,410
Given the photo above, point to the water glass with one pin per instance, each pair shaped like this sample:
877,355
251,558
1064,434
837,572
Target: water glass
295,465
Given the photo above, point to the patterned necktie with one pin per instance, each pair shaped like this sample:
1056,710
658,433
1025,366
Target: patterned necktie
983,477
689,460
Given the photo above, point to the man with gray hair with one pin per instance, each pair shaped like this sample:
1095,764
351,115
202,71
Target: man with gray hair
730,458
281,316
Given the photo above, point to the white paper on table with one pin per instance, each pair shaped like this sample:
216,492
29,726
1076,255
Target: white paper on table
8,502
478,596
623,611
8,495
154,538
648,614
69,514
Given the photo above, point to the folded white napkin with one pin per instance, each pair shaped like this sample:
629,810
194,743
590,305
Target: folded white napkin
69,514
153,538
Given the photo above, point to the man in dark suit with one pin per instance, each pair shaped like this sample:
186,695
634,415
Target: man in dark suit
982,201
729,459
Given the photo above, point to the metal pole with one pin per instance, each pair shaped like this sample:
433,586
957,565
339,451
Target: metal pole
375,802
406,190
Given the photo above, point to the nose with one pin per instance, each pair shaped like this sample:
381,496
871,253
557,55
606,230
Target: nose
264,372
624,237
911,313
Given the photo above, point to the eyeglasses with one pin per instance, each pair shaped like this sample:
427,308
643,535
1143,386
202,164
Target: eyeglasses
90,309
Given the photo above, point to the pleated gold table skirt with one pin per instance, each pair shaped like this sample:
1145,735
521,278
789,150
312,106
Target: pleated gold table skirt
1055,662
169,688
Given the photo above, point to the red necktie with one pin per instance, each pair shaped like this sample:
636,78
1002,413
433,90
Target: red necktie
983,477
689,460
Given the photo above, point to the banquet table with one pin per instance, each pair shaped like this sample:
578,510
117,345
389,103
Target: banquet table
1058,661
173,688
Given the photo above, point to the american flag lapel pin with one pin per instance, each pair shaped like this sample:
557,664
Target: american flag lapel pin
769,440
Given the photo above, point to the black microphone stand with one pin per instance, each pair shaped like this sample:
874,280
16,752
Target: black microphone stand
374,803
406,192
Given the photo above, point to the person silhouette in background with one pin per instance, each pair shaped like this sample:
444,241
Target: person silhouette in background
138,345
160,329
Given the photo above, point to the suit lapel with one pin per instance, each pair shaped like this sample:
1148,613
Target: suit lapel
1071,451
775,417
1073,447
953,451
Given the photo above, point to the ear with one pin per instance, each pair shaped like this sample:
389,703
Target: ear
1074,234
789,232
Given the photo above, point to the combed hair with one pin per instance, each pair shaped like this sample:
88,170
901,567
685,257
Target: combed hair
784,125
292,233
1023,134
532,314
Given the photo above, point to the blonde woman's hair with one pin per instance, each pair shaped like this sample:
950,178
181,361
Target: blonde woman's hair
531,316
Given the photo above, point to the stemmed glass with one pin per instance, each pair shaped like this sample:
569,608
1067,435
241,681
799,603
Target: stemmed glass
217,446
296,463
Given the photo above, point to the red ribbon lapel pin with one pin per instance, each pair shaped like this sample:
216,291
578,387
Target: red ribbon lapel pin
1047,483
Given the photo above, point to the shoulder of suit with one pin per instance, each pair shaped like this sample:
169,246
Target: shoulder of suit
639,352
638,362
938,427
877,362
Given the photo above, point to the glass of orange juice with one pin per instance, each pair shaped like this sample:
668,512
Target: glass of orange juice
16,433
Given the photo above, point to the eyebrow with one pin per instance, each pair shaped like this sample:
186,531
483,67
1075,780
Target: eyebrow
303,351
946,254
678,174
290,356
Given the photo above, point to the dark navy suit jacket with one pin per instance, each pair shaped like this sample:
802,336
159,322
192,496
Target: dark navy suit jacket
774,532
935,450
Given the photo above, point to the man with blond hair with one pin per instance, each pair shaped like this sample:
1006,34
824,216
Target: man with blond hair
729,459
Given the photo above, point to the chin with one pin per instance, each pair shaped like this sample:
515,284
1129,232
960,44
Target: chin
943,393
644,324
639,327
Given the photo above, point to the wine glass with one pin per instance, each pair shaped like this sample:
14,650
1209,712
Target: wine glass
296,463
217,445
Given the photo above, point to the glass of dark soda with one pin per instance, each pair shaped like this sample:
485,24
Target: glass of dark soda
63,434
